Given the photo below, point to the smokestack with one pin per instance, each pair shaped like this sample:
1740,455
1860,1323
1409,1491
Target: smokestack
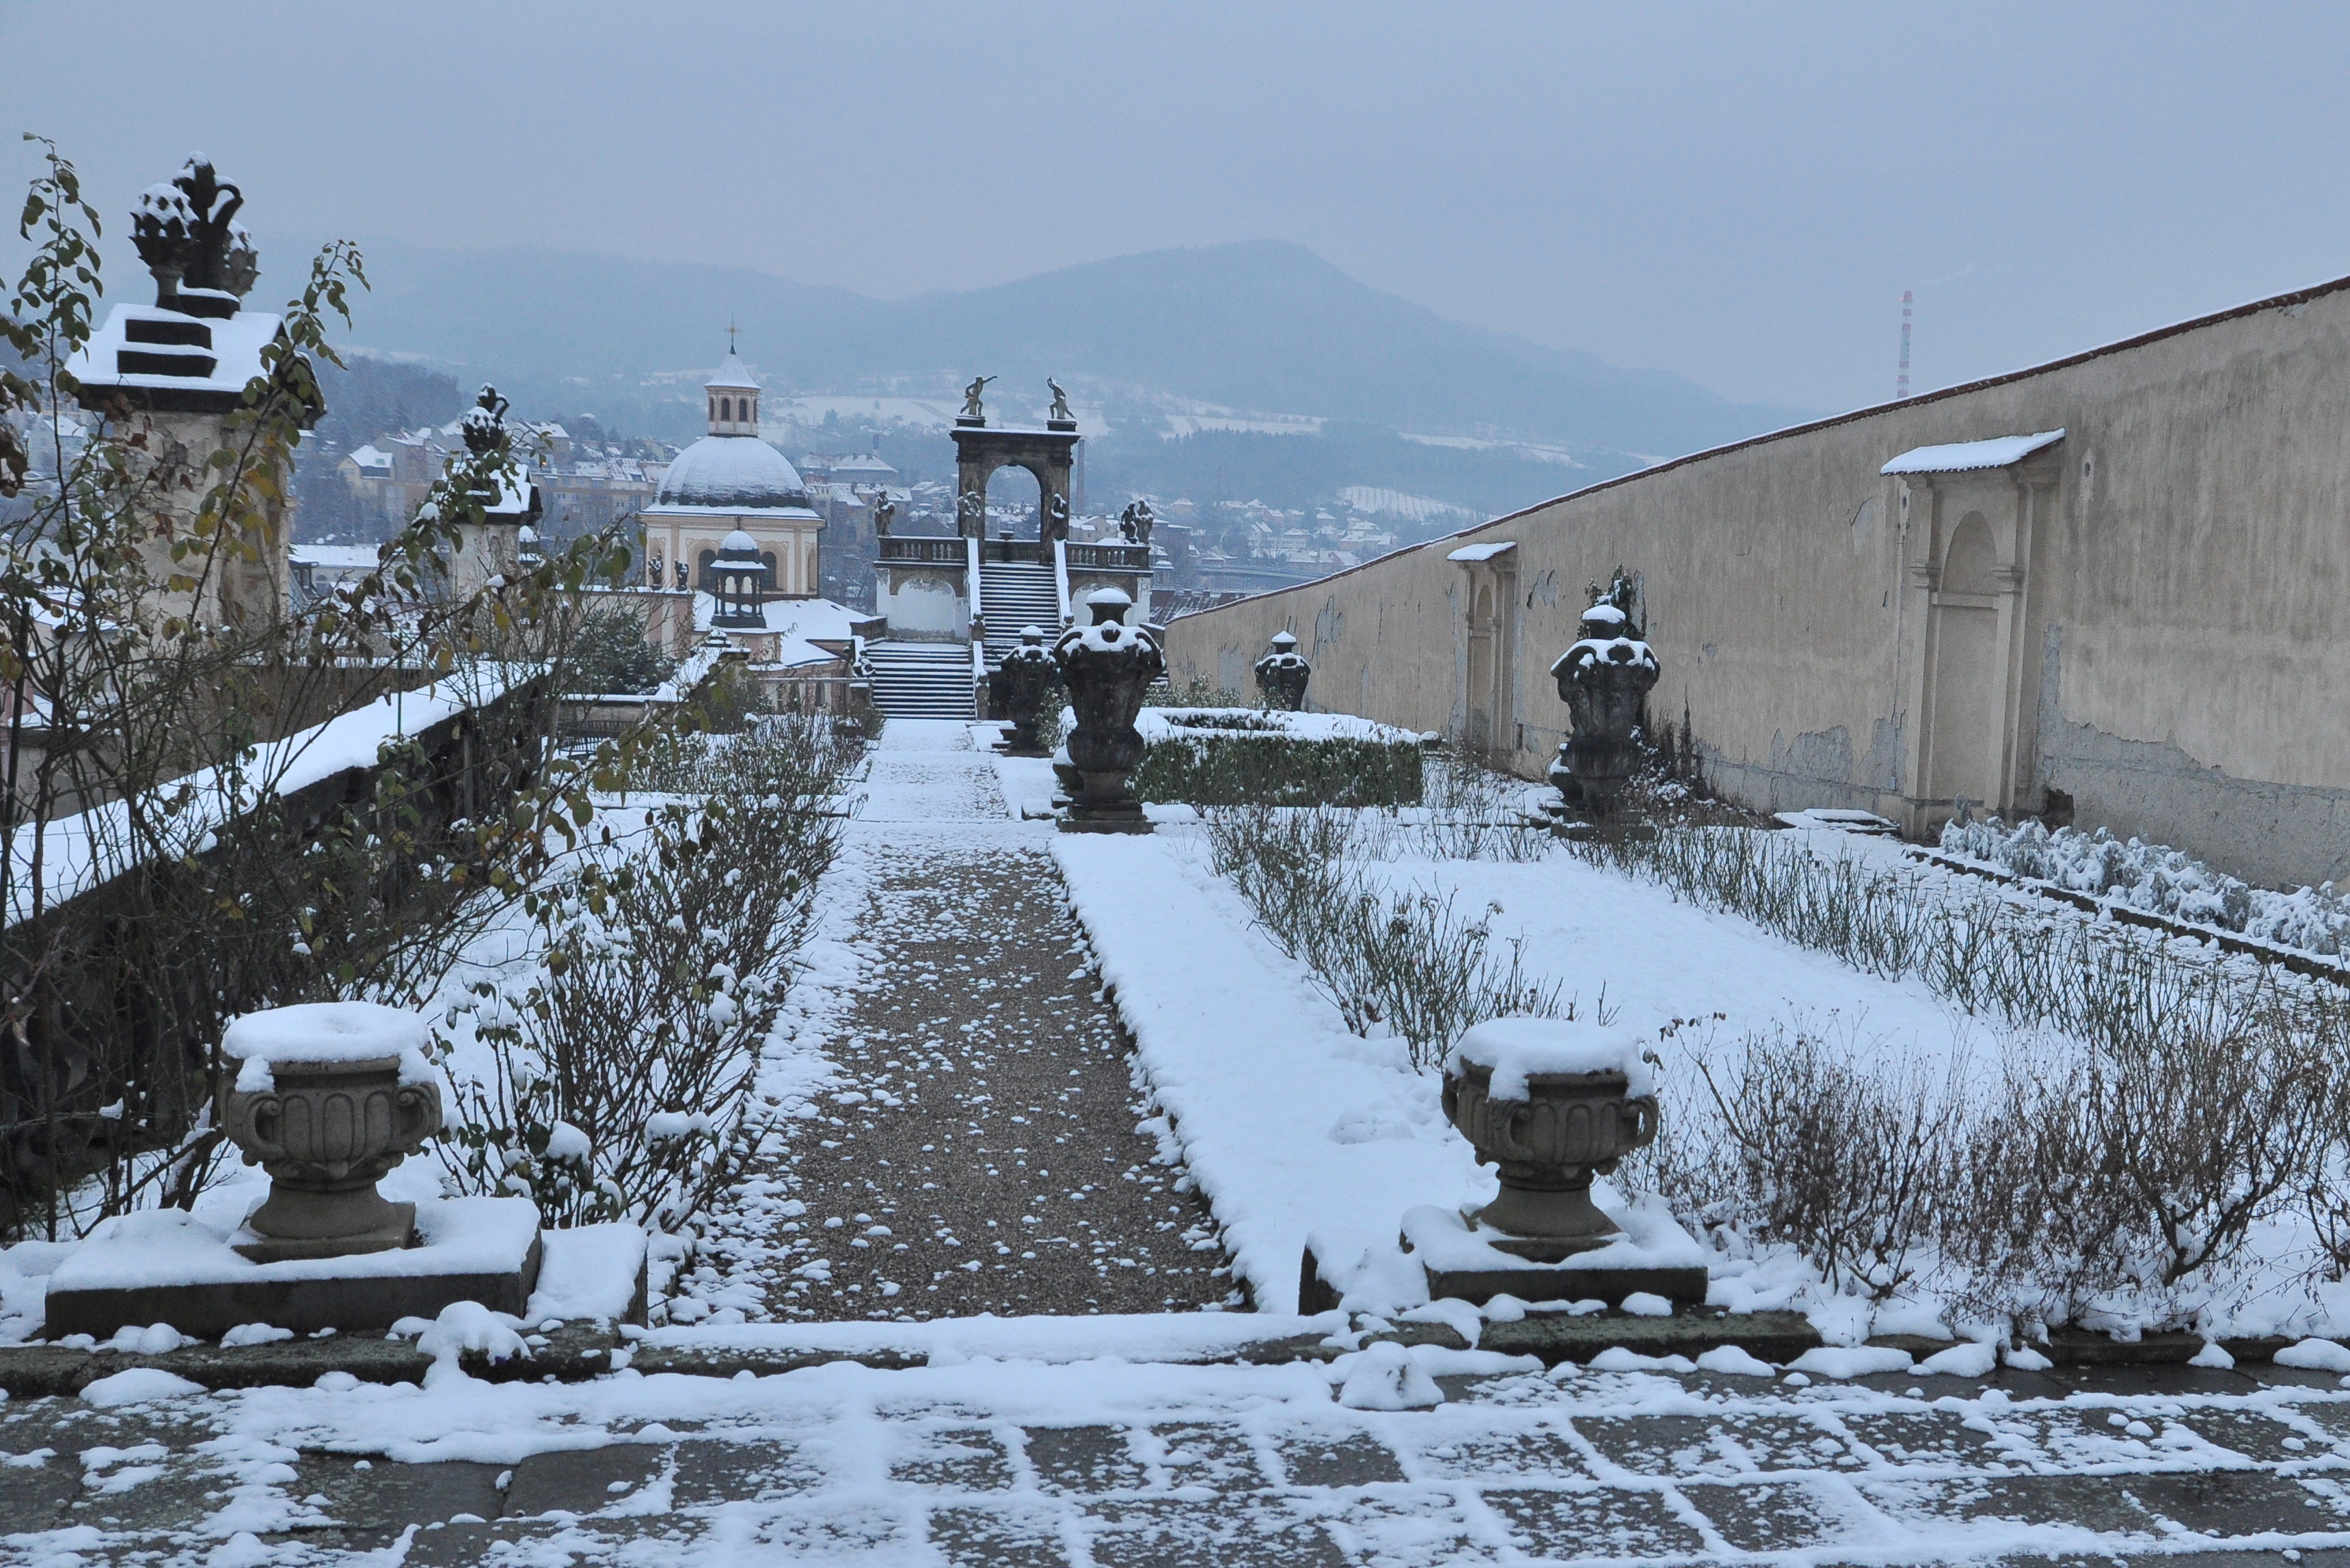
1901,383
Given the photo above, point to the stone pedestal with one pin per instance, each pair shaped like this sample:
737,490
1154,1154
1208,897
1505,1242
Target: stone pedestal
1605,680
199,1276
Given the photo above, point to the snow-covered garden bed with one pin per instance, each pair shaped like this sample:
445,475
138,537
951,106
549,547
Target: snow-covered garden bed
1894,1100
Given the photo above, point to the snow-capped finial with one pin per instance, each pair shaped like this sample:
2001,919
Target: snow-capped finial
485,422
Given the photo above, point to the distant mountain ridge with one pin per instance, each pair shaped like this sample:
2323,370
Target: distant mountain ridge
1262,324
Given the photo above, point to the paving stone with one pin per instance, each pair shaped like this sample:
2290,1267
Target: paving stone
373,1499
1236,1531
1553,1455
720,1470
2083,1438
37,1496
963,1459
1658,1445
1937,1438
1595,1521
1084,1460
1197,1454
1777,1516
2233,1503
1408,1529
1350,1459
2252,1435
997,1538
178,1493
468,1545
2091,1502
1782,1443
582,1480
2131,1382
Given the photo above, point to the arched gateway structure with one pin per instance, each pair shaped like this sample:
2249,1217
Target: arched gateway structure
956,605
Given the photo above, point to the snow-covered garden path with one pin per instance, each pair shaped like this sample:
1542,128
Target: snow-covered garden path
978,1152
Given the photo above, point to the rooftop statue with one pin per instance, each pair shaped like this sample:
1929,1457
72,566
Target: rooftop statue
972,409
1060,410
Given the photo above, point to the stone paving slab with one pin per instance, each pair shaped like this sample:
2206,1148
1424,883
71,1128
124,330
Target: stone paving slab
875,1469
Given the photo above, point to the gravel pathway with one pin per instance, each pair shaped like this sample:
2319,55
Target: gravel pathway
985,1156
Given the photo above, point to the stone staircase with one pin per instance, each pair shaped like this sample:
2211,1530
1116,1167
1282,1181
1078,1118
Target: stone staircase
920,680
1013,594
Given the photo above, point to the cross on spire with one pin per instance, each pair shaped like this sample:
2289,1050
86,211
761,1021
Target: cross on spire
731,330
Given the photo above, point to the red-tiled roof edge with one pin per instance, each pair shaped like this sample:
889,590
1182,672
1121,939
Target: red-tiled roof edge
2274,302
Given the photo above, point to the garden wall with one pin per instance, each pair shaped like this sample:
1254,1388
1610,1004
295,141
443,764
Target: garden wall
2171,581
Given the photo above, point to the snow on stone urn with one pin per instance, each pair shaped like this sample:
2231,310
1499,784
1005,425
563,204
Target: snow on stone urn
1553,1103
1106,667
1605,680
1283,672
329,1097
1028,676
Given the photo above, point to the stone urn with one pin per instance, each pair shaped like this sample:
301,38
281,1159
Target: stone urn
1551,1104
1605,680
1024,684
328,1096
1281,674
1107,666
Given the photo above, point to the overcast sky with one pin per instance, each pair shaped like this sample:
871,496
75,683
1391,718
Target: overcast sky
1738,193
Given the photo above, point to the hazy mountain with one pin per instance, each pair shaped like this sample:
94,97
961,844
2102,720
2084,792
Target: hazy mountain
1264,326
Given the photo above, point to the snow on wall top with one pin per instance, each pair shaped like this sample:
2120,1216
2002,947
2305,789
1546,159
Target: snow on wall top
237,343
734,474
1959,457
93,847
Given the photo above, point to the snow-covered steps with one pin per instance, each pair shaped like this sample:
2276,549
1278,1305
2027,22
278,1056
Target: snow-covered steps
920,680
1012,595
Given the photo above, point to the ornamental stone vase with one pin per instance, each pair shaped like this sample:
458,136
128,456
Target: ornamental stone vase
1281,674
1549,1133
1025,680
1106,667
328,1098
1605,680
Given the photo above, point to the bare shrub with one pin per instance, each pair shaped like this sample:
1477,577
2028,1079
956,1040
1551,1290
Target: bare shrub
614,1077
1408,963
1472,816
1843,1161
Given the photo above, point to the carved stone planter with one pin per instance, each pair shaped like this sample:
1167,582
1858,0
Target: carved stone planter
1027,678
1548,1131
329,1096
1106,667
1605,680
1281,674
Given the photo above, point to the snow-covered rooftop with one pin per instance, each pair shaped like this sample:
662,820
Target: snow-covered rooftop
810,621
1960,457
730,375
1483,552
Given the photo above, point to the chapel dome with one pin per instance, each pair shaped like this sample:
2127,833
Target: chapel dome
740,473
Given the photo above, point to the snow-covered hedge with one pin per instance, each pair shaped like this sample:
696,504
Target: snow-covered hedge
1245,756
2157,879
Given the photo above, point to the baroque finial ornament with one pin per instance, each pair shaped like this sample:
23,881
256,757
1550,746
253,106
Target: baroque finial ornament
485,422
1605,680
203,260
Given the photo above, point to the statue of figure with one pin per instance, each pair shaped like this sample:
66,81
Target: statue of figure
1056,516
656,574
970,511
884,509
1060,410
1136,522
680,568
972,409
